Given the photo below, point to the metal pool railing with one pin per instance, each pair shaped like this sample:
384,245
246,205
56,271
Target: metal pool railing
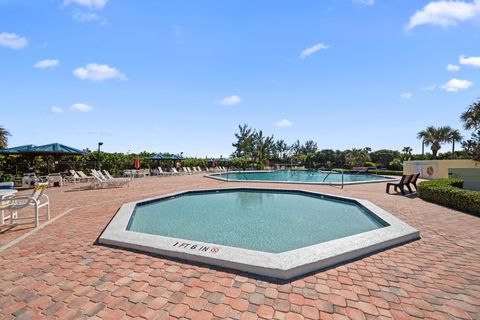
330,174
244,175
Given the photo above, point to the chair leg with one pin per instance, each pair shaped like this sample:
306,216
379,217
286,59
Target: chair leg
388,188
409,188
37,218
402,189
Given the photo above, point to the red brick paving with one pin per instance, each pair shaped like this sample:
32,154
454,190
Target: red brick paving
59,272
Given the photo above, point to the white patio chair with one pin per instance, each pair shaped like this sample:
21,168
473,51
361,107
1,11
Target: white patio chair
15,203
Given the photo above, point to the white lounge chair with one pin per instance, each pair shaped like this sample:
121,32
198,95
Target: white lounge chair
103,182
74,177
84,176
163,173
15,203
109,177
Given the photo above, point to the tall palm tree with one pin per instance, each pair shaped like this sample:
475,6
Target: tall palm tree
471,117
454,136
4,137
435,137
471,121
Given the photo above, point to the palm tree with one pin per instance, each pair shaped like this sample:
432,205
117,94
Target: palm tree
454,136
357,157
435,137
407,153
471,121
4,137
471,117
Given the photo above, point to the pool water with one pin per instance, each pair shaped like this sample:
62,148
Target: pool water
261,220
300,176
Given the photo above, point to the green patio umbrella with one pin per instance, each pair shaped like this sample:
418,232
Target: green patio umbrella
52,149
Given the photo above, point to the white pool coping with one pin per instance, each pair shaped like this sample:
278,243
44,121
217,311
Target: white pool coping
284,265
217,177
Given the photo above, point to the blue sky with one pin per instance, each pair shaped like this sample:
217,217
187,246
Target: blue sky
179,76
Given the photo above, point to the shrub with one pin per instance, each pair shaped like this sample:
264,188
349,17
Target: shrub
449,193
395,164
370,164
387,172
374,171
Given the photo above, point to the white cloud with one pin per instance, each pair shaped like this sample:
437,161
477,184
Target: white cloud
92,4
309,51
85,16
57,110
428,88
12,41
406,95
47,63
455,85
229,101
98,72
82,107
453,67
365,2
470,61
445,13
284,123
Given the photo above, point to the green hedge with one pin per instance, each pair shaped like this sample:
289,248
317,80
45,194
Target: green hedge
374,171
449,193
387,172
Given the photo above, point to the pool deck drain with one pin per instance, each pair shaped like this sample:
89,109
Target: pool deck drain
284,265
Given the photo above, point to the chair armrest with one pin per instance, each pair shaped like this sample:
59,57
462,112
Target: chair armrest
21,198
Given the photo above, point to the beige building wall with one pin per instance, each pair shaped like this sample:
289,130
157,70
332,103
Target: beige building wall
435,169
470,177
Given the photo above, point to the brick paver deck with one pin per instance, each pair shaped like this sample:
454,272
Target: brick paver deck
60,271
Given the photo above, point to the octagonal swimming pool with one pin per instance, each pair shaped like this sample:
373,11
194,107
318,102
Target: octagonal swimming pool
262,220
277,233
299,176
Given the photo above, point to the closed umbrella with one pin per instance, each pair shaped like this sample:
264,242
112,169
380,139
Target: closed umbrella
137,163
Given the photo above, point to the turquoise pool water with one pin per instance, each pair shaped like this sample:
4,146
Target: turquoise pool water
300,176
262,220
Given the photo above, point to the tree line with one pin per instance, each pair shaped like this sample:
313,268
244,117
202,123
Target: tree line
255,149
